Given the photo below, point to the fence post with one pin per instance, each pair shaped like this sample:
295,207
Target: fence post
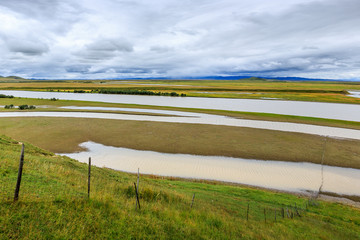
137,196
247,213
297,212
89,175
275,214
17,189
192,201
287,212
138,181
265,214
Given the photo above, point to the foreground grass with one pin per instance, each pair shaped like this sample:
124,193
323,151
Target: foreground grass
63,135
53,205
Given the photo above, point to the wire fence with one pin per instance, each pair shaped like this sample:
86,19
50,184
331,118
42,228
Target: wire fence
37,186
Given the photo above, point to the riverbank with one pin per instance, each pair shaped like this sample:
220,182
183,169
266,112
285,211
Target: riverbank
53,204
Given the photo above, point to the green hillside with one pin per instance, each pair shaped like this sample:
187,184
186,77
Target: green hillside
53,204
12,79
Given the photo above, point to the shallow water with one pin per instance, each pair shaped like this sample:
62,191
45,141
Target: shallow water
204,119
288,176
138,110
355,94
350,112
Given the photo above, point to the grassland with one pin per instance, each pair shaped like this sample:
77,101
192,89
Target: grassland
245,88
55,106
53,205
64,134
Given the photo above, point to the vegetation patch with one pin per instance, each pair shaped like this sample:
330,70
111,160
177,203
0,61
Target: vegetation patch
26,107
6,96
137,92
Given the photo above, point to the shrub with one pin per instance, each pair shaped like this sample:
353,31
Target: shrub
11,106
6,96
137,92
24,107
79,91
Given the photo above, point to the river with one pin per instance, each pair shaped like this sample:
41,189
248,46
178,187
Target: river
349,112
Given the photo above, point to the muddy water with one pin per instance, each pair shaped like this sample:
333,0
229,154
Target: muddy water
288,176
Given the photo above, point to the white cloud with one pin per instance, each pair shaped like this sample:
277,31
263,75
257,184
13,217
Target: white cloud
170,38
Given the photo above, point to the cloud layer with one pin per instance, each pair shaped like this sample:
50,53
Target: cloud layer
169,38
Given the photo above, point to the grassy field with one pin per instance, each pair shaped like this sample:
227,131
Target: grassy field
244,88
54,106
64,134
54,205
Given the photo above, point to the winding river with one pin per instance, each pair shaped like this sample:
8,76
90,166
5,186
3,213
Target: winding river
299,177
349,112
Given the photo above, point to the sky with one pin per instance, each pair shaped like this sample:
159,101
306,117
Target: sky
100,39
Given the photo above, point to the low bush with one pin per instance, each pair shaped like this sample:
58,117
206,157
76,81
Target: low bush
11,106
25,107
6,96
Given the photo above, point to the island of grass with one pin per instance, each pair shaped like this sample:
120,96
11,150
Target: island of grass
54,204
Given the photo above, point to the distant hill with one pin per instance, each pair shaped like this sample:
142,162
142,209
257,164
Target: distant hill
255,78
12,79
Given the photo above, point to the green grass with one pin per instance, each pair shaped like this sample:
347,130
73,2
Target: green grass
297,90
53,205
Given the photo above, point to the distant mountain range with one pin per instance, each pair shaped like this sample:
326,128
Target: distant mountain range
16,78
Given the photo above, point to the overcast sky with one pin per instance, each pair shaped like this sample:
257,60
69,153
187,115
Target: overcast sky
61,39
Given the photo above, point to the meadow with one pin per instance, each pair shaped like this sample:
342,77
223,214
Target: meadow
53,199
54,204
252,88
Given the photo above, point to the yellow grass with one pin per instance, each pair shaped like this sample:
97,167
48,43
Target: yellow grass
64,134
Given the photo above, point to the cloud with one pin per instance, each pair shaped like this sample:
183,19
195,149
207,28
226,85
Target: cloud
30,48
169,38
110,45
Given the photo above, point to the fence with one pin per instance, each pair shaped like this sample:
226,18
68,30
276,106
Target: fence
25,187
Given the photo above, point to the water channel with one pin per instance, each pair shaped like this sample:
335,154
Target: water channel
287,176
350,112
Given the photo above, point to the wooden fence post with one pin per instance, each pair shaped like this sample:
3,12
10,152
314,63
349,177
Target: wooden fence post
21,164
275,214
192,201
138,181
89,175
265,214
137,196
247,213
287,212
297,212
